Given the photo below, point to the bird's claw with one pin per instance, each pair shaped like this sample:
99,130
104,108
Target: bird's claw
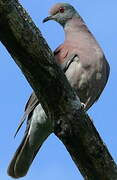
83,105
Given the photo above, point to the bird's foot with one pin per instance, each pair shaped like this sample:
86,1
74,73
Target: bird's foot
83,105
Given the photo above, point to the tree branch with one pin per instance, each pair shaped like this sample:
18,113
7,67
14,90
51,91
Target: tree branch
72,125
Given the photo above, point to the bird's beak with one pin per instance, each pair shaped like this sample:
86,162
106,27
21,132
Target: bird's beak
47,19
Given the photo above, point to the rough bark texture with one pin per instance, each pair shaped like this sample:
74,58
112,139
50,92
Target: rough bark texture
72,125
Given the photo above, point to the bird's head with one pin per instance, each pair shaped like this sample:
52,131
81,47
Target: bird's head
61,13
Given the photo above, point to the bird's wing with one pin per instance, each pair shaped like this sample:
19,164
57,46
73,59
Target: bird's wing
31,103
60,54
64,57
81,74
30,106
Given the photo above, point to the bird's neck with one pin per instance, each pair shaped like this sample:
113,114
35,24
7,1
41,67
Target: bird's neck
75,26
77,33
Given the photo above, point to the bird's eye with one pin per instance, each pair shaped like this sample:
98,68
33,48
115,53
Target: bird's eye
61,10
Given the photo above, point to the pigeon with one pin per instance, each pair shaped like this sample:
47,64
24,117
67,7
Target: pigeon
87,70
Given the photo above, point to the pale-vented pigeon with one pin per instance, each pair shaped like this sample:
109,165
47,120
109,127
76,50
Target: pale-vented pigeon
87,70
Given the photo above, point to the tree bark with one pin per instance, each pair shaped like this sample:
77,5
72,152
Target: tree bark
72,125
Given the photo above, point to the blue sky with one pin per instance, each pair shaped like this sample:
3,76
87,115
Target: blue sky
53,160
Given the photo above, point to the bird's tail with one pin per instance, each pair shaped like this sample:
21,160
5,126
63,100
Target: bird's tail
24,157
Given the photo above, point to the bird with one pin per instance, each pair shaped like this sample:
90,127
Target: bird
87,70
